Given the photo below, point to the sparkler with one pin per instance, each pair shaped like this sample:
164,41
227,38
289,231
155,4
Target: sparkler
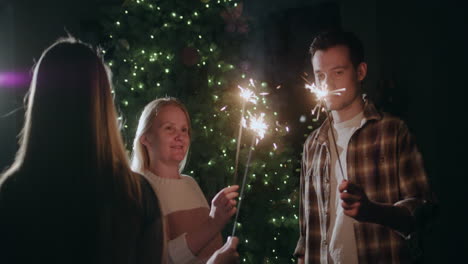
247,96
257,125
321,93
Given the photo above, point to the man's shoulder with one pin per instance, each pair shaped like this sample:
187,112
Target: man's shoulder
389,120
310,138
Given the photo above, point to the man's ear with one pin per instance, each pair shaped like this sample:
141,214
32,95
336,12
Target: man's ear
362,71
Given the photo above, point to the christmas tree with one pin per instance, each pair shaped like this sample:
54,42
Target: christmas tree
192,50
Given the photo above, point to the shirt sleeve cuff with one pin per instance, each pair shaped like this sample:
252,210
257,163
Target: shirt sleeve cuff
412,204
179,251
300,248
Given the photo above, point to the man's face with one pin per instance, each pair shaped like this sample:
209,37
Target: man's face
333,66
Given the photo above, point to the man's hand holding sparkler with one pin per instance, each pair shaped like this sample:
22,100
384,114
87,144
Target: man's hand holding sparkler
357,205
354,201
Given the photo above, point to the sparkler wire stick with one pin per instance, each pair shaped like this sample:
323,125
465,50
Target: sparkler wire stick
241,196
258,126
335,145
239,137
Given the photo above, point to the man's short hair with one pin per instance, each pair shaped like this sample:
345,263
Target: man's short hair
328,39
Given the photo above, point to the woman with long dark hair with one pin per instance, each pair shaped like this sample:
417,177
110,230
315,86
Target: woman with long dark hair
70,196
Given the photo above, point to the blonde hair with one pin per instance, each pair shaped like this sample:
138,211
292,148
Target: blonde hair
140,157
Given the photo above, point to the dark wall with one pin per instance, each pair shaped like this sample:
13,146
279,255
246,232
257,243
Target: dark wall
8,126
26,28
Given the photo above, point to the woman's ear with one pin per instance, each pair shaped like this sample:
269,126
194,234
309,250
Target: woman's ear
362,71
144,140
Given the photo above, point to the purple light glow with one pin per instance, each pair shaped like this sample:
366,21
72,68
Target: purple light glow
14,79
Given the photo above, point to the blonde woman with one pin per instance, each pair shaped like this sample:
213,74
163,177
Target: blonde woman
70,196
159,152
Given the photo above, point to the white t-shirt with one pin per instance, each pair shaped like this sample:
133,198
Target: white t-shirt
341,238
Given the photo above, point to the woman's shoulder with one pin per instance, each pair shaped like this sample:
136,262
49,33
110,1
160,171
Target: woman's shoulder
189,179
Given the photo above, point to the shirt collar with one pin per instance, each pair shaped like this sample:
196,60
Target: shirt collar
370,113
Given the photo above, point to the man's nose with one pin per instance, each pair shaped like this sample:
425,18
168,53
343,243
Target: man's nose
330,83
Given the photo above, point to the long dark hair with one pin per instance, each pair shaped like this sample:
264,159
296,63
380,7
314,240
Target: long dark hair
71,166
71,121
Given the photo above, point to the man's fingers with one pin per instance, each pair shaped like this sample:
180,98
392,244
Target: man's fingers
349,187
349,198
343,186
354,189
348,206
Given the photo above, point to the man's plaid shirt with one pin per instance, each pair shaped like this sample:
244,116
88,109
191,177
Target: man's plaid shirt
383,159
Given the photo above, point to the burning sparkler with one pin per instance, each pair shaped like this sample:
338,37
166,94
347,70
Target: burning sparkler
257,125
321,93
247,96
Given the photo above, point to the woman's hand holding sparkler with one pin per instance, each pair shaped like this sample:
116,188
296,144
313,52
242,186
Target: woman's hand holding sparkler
227,254
223,206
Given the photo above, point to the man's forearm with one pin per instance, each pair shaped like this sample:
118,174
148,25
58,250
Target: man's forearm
394,217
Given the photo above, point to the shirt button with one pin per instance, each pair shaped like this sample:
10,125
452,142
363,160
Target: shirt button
327,180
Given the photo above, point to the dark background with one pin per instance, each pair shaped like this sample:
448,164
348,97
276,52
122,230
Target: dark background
415,52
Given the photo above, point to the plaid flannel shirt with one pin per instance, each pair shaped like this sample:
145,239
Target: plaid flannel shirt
383,159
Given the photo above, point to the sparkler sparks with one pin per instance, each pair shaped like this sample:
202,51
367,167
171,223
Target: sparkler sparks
248,95
258,125
321,93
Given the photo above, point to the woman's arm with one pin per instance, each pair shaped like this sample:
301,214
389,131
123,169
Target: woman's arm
222,209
